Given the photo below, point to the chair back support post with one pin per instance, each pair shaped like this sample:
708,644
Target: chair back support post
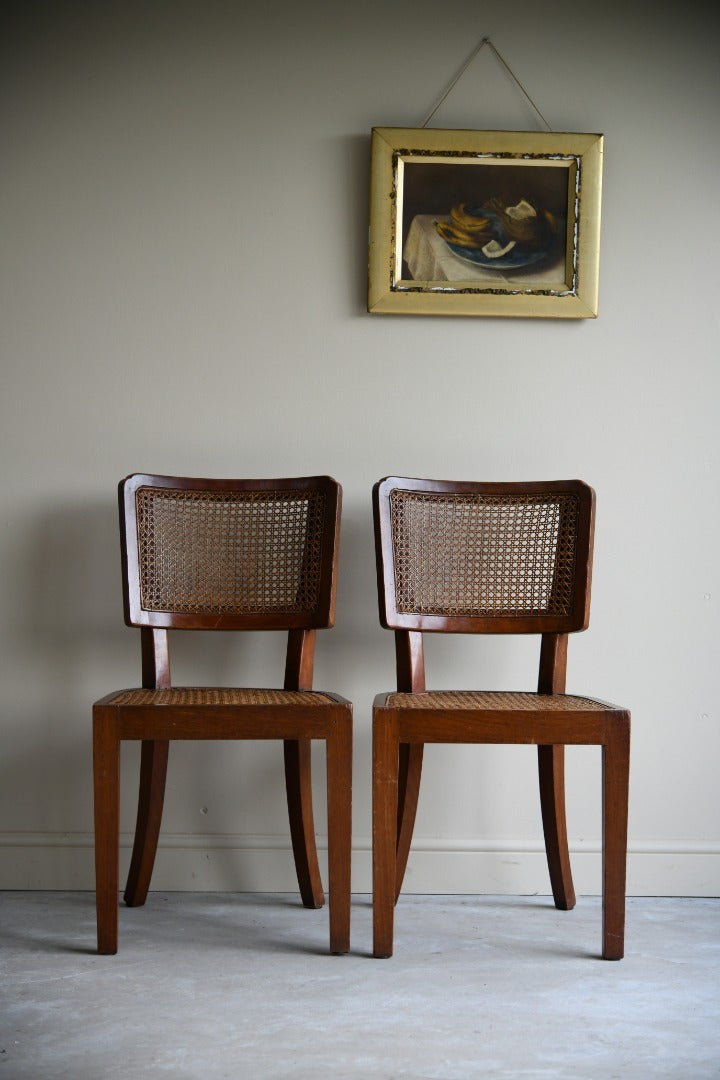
155,654
410,661
299,661
553,664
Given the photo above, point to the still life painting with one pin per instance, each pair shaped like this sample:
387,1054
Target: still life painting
484,223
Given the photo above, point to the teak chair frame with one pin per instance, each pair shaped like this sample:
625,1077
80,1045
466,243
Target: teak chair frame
405,720
159,713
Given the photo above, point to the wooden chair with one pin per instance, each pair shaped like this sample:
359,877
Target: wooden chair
226,555
487,559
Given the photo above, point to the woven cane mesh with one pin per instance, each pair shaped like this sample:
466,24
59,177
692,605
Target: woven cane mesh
205,695
484,555
230,552
494,700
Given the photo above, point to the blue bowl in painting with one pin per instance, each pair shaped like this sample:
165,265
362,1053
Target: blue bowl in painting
514,260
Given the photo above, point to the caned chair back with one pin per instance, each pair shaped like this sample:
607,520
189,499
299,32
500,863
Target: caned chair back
229,554
484,557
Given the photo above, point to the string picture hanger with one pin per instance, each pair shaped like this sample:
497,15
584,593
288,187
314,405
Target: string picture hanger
501,59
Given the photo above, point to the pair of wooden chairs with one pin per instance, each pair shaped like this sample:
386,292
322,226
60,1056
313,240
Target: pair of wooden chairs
451,557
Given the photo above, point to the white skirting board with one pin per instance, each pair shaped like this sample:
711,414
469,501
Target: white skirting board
236,863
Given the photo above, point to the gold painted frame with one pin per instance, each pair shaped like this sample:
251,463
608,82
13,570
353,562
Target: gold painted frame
419,176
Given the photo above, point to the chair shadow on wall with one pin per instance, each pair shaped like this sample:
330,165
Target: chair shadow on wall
66,621
72,624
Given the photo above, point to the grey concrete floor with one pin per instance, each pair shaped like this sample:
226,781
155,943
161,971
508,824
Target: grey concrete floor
241,986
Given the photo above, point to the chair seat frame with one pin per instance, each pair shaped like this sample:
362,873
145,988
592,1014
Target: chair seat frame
296,724
394,728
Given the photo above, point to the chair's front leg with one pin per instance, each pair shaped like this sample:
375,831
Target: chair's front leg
616,775
106,775
339,804
298,785
385,807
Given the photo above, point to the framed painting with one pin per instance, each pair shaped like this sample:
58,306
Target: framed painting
484,223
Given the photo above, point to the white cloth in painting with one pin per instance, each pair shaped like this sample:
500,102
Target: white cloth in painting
430,259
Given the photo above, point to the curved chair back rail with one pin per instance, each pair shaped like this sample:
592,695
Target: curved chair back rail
484,558
229,554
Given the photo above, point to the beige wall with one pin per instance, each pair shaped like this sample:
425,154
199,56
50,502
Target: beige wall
183,203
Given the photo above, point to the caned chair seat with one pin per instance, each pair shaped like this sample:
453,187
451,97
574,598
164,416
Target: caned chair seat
489,558
226,555
180,696
494,701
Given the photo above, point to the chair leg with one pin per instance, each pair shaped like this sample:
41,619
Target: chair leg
339,802
298,784
616,774
153,771
385,809
106,775
411,759
551,769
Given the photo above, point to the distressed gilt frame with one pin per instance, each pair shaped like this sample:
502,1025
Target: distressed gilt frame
570,288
